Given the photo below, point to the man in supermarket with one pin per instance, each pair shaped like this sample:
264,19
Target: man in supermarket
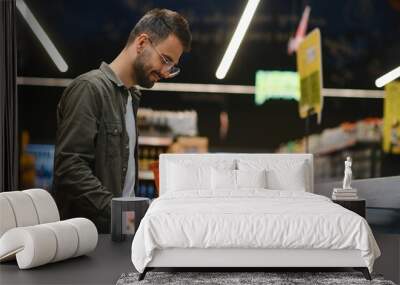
96,143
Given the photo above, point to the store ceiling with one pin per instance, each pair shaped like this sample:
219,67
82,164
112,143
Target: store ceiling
359,37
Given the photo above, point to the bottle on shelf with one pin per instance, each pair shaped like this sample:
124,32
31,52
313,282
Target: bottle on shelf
152,154
145,160
160,150
140,158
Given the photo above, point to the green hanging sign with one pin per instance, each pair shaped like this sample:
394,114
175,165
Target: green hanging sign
276,85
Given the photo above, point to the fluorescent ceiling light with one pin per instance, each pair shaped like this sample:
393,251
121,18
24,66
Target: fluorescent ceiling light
237,38
42,36
388,77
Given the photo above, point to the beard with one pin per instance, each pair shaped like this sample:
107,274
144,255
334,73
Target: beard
143,70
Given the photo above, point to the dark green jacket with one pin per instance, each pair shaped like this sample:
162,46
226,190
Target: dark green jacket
92,149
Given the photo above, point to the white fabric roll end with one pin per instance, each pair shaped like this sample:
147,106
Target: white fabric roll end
32,246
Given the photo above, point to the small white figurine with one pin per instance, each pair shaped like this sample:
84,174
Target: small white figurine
347,173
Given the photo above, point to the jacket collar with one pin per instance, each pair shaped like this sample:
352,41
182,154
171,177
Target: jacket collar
106,69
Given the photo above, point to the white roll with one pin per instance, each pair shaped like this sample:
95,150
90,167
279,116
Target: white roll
23,208
87,235
10,244
7,218
33,246
67,239
45,205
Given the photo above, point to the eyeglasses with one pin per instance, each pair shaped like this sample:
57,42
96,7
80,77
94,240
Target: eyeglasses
171,69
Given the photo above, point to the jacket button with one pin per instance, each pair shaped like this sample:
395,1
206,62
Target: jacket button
124,169
127,146
115,130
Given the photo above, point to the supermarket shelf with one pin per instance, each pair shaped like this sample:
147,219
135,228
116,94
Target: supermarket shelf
336,148
347,145
146,175
155,141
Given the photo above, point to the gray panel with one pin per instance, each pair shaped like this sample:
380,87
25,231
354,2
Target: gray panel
381,192
388,263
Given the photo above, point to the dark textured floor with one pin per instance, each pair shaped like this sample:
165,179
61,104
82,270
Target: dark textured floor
232,278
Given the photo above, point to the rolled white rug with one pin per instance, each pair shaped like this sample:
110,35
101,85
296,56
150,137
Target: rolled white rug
33,246
7,218
45,205
26,208
87,234
66,238
40,244
23,208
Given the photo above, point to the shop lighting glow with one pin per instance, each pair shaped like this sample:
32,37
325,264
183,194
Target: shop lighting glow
237,38
42,36
205,88
388,77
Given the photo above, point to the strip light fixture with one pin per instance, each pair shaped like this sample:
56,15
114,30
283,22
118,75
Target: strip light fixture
206,88
237,38
42,36
388,77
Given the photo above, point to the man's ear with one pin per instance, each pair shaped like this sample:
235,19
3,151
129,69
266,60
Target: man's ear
140,42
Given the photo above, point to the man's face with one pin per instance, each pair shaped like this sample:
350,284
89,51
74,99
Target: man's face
149,66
